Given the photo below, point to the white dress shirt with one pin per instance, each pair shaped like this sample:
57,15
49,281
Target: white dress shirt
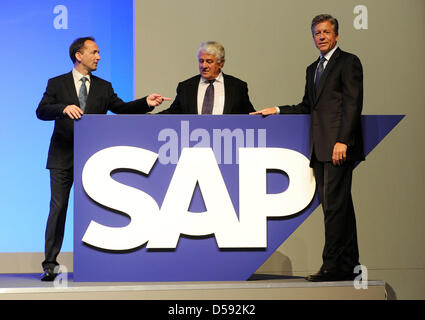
77,81
218,94
328,56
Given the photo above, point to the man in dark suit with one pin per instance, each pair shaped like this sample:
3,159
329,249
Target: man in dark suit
66,99
212,91
334,98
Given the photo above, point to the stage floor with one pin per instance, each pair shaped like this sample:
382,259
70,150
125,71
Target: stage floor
258,287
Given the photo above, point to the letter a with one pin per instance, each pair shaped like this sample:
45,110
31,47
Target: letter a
61,20
196,165
360,22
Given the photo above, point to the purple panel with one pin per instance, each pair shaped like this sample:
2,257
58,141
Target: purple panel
195,258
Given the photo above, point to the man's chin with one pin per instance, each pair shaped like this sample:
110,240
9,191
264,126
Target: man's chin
207,76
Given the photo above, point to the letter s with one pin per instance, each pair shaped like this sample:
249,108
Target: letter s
99,186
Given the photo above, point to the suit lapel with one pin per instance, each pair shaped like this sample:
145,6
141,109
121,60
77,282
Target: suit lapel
70,87
325,74
92,94
228,97
310,82
192,95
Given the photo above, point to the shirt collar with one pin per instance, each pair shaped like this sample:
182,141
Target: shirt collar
77,75
329,54
218,79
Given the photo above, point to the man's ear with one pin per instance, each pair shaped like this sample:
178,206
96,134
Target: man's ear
78,56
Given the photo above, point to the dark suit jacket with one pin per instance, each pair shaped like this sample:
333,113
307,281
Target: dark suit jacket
236,99
61,92
336,107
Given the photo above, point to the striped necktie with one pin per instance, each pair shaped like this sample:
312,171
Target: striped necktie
82,95
319,72
208,104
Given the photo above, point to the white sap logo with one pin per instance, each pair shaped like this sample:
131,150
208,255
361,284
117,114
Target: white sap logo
161,227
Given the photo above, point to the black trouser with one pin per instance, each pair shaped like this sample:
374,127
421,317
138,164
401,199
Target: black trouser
60,186
340,253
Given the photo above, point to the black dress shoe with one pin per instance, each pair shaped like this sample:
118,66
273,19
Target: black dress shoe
48,275
326,275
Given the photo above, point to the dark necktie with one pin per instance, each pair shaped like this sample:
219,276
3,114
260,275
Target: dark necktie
207,105
319,71
82,95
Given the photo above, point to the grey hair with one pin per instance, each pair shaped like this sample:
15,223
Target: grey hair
214,48
325,17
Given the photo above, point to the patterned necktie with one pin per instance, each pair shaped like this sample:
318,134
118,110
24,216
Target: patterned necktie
319,71
207,105
82,96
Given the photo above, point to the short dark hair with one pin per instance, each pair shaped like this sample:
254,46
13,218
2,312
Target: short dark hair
76,46
325,17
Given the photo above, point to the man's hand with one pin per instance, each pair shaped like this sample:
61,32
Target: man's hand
73,111
339,154
155,100
266,112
